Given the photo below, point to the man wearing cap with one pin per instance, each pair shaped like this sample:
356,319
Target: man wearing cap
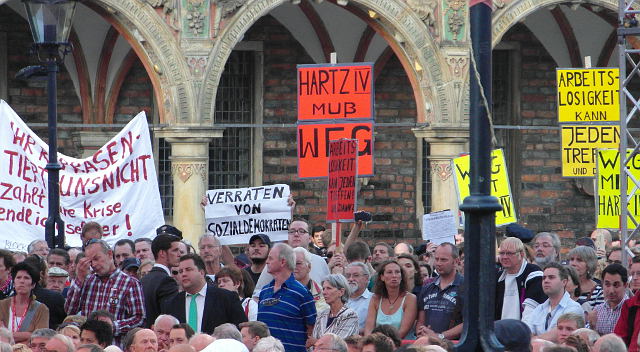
298,237
130,266
57,279
259,246
158,285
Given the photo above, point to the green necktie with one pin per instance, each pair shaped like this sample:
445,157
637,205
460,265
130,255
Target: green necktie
193,313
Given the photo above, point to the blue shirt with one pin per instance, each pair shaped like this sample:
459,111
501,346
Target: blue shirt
541,319
287,312
439,305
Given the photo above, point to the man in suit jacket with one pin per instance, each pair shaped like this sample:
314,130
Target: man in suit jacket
158,285
202,306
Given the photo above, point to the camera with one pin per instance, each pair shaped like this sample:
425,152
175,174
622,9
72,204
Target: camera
363,216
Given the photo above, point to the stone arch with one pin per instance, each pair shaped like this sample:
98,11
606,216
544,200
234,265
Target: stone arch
155,44
507,16
418,47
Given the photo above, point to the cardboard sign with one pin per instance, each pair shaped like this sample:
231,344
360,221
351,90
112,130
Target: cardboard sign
343,173
439,227
329,92
579,145
313,147
499,185
587,95
608,189
234,215
116,187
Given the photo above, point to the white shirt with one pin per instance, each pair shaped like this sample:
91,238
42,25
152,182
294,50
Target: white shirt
163,267
319,271
361,306
511,302
537,320
202,295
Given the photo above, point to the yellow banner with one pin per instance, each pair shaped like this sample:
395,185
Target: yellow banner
608,187
588,94
579,145
499,185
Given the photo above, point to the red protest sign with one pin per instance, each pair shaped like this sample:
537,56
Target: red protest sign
343,172
313,147
328,92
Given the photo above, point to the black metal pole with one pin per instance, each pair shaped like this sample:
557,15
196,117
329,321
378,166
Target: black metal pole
480,206
53,167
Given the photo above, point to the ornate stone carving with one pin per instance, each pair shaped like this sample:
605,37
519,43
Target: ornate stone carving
441,169
169,9
457,64
197,64
426,9
196,23
455,13
223,9
184,171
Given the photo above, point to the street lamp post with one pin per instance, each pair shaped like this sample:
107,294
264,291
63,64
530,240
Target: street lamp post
50,24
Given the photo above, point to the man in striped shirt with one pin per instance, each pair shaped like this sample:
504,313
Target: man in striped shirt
107,288
285,305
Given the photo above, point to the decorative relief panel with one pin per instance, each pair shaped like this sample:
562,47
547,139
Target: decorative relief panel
427,10
195,18
197,65
224,8
185,171
455,17
169,10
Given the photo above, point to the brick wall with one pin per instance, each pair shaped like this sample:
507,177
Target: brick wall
136,95
548,202
390,194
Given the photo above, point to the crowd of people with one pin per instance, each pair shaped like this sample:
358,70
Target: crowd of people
162,294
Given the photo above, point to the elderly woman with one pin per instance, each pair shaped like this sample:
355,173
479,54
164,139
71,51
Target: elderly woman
22,314
391,303
585,261
338,319
301,274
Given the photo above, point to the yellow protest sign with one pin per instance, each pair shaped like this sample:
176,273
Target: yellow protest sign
588,94
499,185
608,187
579,145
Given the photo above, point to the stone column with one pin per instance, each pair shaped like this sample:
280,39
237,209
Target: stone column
93,140
445,143
189,169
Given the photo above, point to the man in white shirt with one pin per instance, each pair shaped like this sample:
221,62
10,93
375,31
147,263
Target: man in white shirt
357,274
543,319
298,237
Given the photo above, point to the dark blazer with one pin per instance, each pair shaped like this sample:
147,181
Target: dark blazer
54,301
220,306
157,287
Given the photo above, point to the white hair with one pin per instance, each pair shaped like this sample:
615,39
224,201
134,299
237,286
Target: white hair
305,253
268,344
174,320
66,341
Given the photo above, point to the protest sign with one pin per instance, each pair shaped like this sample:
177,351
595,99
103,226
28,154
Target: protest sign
116,186
579,145
439,227
313,147
343,172
499,185
588,94
608,189
234,215
335,91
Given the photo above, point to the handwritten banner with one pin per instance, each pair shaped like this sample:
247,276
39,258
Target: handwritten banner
588,94
313,147
579,145
608,189
499,185
327,92
234,215
116,186
343,172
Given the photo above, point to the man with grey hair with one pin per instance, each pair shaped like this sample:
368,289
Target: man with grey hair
331,342
162,328
268,344
39,339
227,331
200,340
285,305
357,274
39,247
609,343
547,247
588,335
60,343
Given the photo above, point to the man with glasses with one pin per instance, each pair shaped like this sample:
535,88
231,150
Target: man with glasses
519,286
39,339
298,237
544,317
547,247
107,288
357,274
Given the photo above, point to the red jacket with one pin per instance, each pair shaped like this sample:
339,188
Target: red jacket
622,325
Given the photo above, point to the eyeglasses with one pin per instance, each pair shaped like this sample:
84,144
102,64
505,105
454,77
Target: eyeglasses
300,231
614,261
355,276
508,254
174,272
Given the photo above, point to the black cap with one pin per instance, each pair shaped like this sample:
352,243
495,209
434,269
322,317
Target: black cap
586,241
262,237
514,230
513,334
169,230
129,263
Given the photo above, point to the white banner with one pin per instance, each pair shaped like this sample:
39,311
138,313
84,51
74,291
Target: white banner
116,187
234,215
